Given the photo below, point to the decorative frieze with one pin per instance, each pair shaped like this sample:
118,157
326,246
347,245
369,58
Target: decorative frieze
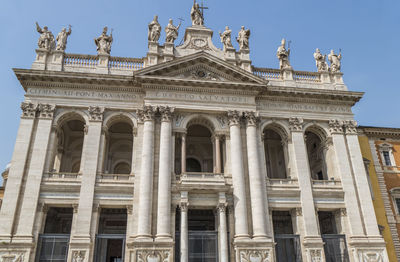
255,255
335,126
296,124
234,117
28,110
350,126
166,113
96,113
146,114
12,256
46,111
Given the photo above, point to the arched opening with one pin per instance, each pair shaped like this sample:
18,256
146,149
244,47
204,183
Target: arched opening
274,154
199,148
316,156
69,147
118,149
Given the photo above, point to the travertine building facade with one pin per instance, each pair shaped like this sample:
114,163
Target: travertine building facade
190,154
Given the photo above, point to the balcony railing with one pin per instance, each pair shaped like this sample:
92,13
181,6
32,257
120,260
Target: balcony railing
326,183
288,248
61,176
201,178
335,248
103,177
276,74
281,181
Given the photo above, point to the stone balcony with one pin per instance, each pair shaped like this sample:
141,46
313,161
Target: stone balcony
283,192
202,180
328,192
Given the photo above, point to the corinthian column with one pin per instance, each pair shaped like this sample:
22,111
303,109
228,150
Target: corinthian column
184,231
146,173
164,176
257,184
239,191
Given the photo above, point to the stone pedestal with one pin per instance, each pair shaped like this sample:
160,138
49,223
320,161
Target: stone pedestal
325,77
244,59
288,74
152,54
102,65
168,52
230,55
41,59
56,60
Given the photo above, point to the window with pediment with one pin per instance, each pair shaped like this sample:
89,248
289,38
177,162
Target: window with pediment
386,154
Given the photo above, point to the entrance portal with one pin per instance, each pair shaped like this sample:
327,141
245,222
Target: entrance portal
110,240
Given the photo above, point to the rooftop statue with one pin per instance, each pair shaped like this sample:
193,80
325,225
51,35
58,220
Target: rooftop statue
103,42
226,38
46,39
196,14
243,38
154,30
171,32
320,61
334,59
283,55
62,38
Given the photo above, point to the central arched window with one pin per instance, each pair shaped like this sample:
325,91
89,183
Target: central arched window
118,153
199,149
274,154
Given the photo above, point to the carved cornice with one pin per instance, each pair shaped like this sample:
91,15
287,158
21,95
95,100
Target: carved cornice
296,124
166,113
350,127
234,118
146,114
46,111
335,126
96,113
251,118
28,110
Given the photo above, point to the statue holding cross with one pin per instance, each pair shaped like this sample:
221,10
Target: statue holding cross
197,15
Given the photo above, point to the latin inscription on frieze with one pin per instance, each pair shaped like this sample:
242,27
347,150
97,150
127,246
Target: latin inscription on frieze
206,98
297,107
84,94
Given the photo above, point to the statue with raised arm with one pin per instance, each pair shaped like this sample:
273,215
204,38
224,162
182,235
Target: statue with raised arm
226,38
334,59
171,32
196,15
103,42
46,39
154,30
62,38
243,38
283,55
320,61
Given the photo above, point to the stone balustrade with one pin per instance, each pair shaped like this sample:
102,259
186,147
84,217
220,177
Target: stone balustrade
78,60
326,183
62,176
102,177
196,178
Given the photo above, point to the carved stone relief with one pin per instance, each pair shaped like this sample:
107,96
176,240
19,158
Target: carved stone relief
370,256
28,109
12,257
78,256
153,255
315,255
96,113
255,256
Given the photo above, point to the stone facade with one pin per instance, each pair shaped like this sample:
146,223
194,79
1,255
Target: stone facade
191,143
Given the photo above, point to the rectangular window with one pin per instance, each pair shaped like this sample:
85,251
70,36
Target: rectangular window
398,205
386,158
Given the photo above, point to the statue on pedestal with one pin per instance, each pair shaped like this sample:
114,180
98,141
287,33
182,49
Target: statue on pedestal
46,39
62,38
334,59
154,30
283,55
243,38
103,42
196,15
226,38
171,32
320,61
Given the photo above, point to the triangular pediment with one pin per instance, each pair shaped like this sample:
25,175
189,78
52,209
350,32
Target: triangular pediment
200,66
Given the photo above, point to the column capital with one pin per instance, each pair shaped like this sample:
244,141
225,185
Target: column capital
46,111
221,207
95,113
296,124
234,118
335,126
184,206
350,127
28,110
166,113
146,114
252,118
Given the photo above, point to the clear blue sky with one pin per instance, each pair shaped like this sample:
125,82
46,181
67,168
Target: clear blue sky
368,32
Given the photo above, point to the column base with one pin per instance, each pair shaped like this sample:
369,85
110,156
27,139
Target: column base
163,238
